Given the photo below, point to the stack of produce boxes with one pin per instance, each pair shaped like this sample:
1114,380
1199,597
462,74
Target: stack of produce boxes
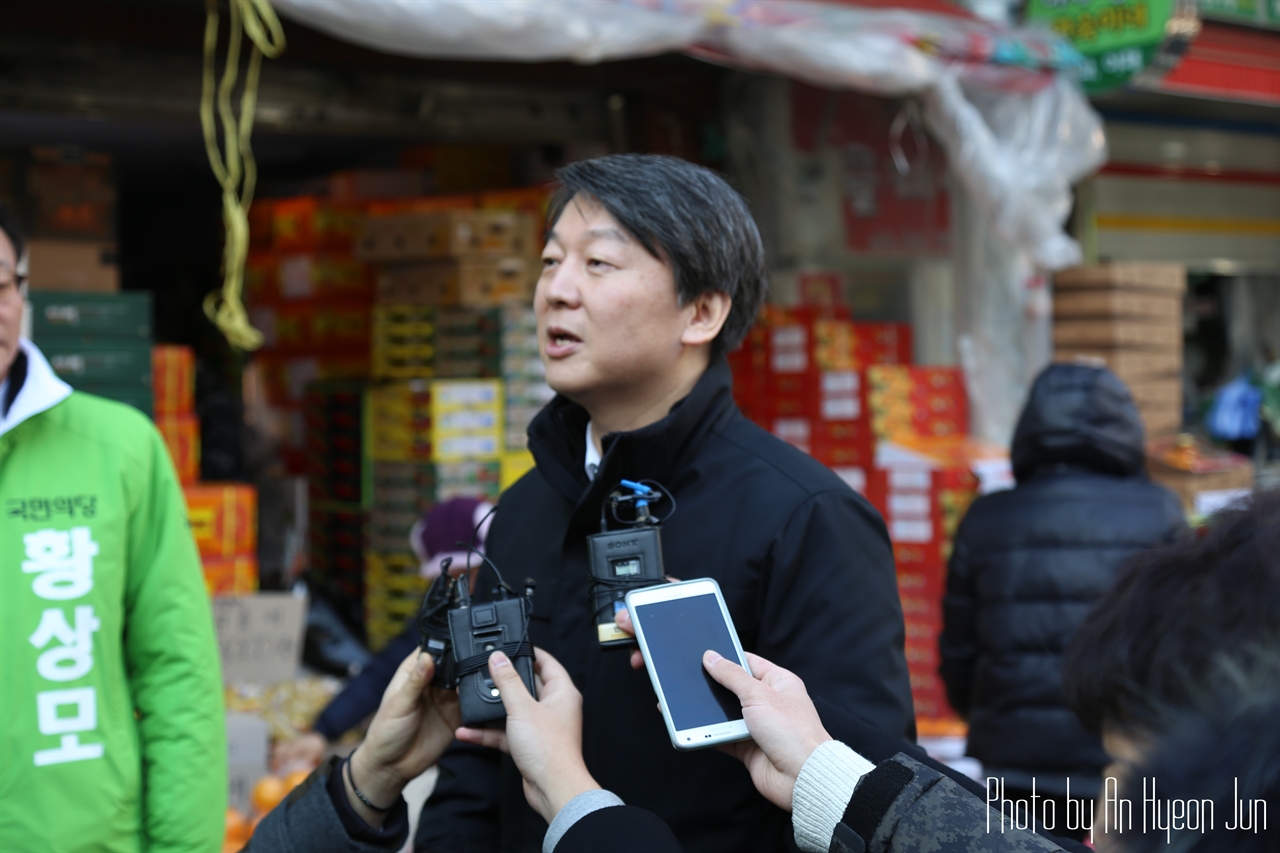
802,375
224,521
428,442
1127,316
67,198
523,374
442,269
173,376
398,445
922,490
334,423
223,516
923,495
97,342
840,390
311,299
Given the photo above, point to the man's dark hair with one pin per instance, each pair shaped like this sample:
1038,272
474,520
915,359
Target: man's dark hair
1227,753
9,225
683,215
1177,618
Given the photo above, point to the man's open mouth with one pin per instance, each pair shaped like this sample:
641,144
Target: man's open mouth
559,337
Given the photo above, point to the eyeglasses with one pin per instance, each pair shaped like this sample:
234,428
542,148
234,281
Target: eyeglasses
10,281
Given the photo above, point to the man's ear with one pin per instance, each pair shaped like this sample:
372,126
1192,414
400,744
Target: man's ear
708,314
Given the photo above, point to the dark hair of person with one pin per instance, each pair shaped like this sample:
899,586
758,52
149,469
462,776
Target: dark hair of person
1226,753
684,215
9,225
1177,618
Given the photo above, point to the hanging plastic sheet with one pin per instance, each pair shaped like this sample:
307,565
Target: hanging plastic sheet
1017,131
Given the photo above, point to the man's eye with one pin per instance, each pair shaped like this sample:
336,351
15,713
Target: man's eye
596,263
549,262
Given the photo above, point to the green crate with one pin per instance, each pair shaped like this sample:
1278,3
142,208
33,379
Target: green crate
135,395
116,315
99,361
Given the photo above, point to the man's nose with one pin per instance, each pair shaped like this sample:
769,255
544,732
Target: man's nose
560,286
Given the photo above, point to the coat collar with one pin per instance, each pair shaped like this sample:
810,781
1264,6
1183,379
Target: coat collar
40,390
557,438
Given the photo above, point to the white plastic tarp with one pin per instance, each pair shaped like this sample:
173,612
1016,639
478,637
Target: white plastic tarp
1017,132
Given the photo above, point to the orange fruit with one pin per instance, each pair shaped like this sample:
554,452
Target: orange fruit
296,778
236,828
267,793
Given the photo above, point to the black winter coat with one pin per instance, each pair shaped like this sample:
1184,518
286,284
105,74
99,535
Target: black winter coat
807,572
1029,564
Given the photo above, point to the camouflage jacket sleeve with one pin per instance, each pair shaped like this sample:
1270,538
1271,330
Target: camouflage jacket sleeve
932,814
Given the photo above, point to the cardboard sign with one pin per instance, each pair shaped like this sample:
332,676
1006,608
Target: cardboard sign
260,636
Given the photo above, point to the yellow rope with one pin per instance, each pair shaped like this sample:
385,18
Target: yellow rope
234,167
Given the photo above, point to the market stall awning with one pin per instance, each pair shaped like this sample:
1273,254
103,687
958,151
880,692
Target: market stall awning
1017,130
1228,62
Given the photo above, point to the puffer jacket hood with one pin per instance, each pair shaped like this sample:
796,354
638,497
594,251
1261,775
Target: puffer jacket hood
1082,417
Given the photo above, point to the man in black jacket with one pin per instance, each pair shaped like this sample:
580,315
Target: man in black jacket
1029,564
654,269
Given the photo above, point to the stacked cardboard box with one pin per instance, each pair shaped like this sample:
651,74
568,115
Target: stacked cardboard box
66,198
173,394
839,390
97,342
224,522
926,402
398,447
1127,316
1205,478
523,374
310,298
467,257
335,471
802,375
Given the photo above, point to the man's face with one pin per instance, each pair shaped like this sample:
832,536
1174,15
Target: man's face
610,323
10,306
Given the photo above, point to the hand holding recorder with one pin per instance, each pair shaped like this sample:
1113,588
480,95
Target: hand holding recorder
543,736
413,727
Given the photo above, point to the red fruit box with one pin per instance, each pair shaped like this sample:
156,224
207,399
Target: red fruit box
173,379
826,395
181,434
838,444
307,223
932,705
882,343
922,609
224,518
260,284
922,656
323,275
908,402
921,632
920,581
236,575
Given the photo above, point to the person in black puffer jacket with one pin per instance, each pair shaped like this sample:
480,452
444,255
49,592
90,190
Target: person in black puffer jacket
1028,565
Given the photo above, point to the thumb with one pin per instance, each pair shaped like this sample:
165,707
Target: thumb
728,674
417,670
511,687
